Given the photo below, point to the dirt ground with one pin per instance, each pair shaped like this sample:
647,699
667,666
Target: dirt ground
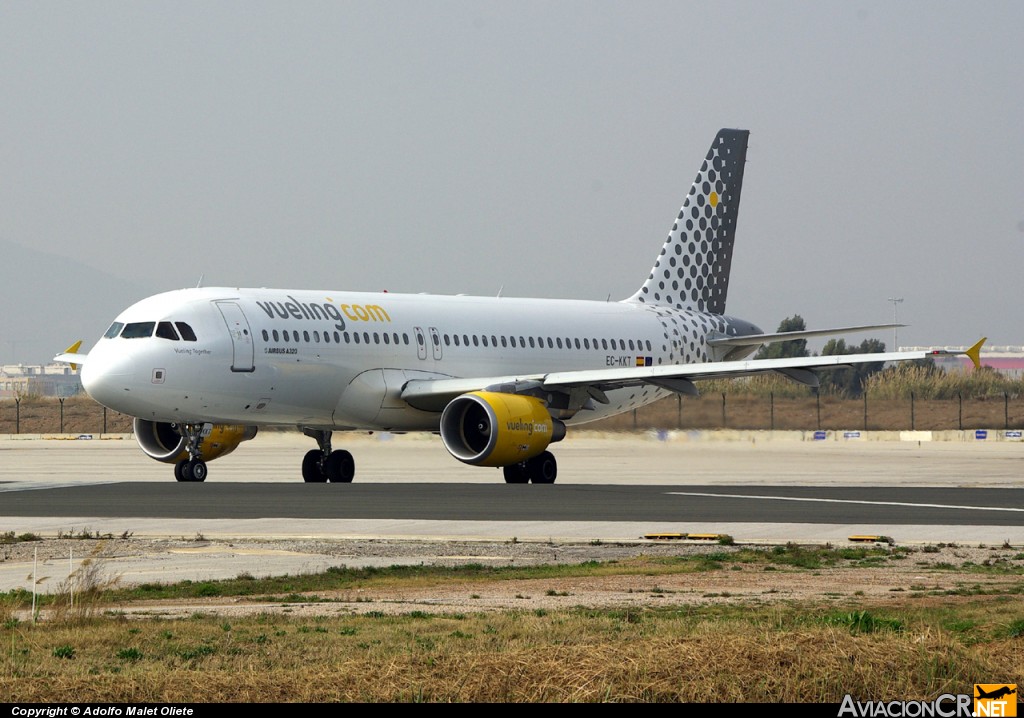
916,571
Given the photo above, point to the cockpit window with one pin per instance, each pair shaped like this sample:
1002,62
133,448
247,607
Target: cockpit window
186,331
114,330
138,330
165,330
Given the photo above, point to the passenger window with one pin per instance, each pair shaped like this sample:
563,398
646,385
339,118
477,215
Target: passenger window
476,341
305,336
114,330
504,341
138,330
485,340
286,335
186,331
355,337
276,337
316,337
558,341
266,337
387,338
405,339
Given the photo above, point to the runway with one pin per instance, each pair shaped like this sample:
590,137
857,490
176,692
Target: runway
609,488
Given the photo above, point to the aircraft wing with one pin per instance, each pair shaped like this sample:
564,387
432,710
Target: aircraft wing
434,394
71,356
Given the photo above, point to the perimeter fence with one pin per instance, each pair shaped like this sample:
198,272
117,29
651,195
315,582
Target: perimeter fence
720,410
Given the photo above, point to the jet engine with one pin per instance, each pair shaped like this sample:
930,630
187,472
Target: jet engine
493,429
162,441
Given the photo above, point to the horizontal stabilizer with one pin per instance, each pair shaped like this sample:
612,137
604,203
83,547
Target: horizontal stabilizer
753,339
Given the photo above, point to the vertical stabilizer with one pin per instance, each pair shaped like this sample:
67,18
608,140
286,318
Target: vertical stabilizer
692,271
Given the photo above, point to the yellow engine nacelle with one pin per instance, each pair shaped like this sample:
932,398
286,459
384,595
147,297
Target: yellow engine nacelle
162,441
487,428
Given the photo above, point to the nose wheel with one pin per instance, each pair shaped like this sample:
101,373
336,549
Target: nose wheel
193,468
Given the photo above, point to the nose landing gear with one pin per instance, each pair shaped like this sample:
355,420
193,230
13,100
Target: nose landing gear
193,468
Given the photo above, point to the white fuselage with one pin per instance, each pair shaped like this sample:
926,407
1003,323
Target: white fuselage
339,360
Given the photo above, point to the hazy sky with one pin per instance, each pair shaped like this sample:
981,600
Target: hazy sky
543,147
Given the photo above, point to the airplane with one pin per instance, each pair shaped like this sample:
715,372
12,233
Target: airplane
995,694
500,379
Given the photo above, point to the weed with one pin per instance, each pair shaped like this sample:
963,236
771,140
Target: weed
1015,629
66,652
864,622
130,654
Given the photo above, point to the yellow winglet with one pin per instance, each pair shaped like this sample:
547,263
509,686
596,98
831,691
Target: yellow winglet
73,349
974,353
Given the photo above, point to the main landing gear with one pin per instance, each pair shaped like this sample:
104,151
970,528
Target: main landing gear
541,469
193,468
320,465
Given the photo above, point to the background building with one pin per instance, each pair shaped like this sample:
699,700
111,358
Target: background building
19,380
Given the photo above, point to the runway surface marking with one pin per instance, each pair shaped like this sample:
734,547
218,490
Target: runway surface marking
843,501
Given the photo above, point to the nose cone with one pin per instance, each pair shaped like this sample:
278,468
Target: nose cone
106,379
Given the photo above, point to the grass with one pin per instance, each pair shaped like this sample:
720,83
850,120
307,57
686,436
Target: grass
789,653
913,646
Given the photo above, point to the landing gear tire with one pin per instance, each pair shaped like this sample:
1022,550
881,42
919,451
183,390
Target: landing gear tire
340,467
516,473
311,470
195,470
188,470
542,469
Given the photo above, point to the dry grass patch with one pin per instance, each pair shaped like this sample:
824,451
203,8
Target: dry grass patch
789,653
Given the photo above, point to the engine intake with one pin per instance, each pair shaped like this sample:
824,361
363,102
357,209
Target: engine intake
161,441
493,429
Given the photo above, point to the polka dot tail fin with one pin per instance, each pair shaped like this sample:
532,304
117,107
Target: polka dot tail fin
692,269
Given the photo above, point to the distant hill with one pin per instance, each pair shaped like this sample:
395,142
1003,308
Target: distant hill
47,302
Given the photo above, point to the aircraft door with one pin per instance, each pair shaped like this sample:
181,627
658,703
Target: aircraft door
421,343
435,341
241,338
